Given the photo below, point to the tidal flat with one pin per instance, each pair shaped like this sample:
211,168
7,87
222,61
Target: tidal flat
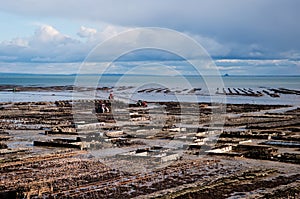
66,149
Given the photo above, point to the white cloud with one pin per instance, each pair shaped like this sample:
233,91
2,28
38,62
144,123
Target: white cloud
48,44
253,62
39,68
86,32
110,31
291,54
228,67
16,42
259,67
48,33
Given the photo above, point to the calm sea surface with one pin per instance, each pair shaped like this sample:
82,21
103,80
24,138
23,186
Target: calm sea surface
292,82
138,82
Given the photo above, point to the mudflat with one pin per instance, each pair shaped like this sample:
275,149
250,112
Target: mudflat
66,149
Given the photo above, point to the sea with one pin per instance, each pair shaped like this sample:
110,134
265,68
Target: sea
127,87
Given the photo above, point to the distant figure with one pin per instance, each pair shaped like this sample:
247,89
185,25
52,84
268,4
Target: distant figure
144,104
104,108
141,103
111,96
101,107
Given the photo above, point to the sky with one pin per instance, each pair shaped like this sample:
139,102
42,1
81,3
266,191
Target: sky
249,37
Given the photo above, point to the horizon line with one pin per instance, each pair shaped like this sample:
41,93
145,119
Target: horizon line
121,74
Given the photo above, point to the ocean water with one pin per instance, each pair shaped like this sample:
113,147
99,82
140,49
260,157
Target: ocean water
208,85
291,82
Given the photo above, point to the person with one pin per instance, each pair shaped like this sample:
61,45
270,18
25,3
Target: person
144,104
139,103
104,109
98,107
111,96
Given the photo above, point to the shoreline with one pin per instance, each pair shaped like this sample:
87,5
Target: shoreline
284,96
